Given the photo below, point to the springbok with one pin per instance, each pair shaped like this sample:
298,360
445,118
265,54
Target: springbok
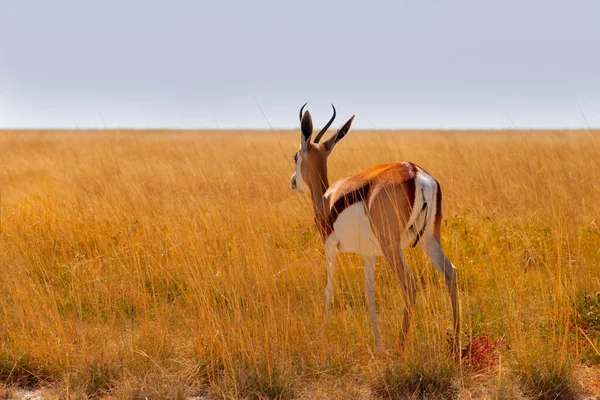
377,212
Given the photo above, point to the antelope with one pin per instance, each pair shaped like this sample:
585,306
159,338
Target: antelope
377,212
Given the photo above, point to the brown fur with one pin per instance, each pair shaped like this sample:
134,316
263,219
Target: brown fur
387,189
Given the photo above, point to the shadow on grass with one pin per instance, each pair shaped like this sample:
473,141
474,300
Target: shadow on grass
416,381
256,380
545,380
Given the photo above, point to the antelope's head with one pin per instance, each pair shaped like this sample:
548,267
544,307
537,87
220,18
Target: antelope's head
311,158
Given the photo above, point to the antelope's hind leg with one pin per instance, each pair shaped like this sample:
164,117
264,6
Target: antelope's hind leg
389,210
393,254
409,287
433,250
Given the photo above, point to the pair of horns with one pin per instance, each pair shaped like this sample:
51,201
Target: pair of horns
320,135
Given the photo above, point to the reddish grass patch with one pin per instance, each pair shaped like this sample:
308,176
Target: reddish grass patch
482,353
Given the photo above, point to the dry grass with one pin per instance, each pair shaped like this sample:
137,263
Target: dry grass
177,264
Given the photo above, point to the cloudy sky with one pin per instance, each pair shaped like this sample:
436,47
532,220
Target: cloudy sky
209,64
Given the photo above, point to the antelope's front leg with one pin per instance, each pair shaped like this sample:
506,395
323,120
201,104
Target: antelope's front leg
330,262
370,262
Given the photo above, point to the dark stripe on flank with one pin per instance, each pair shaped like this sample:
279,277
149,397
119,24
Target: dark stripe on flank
359,194
412,227
411,189
437,226
420,234
356,195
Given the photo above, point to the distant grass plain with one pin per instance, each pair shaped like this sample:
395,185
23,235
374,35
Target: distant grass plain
172,264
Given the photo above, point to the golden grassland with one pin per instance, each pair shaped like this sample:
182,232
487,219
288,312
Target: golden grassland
171,264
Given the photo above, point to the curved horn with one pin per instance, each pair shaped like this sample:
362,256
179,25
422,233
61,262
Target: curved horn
302,109
318,137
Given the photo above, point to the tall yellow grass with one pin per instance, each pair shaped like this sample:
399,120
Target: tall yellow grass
170,264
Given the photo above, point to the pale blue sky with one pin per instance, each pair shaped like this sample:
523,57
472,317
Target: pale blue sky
205,64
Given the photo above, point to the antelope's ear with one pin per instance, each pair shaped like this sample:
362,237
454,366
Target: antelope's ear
307,130
339,135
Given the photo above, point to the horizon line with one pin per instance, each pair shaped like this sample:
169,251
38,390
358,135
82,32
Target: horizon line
234,129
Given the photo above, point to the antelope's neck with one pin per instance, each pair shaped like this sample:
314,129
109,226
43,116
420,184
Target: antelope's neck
321,213
317,191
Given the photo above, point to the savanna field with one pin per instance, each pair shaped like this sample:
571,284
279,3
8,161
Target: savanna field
179,264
